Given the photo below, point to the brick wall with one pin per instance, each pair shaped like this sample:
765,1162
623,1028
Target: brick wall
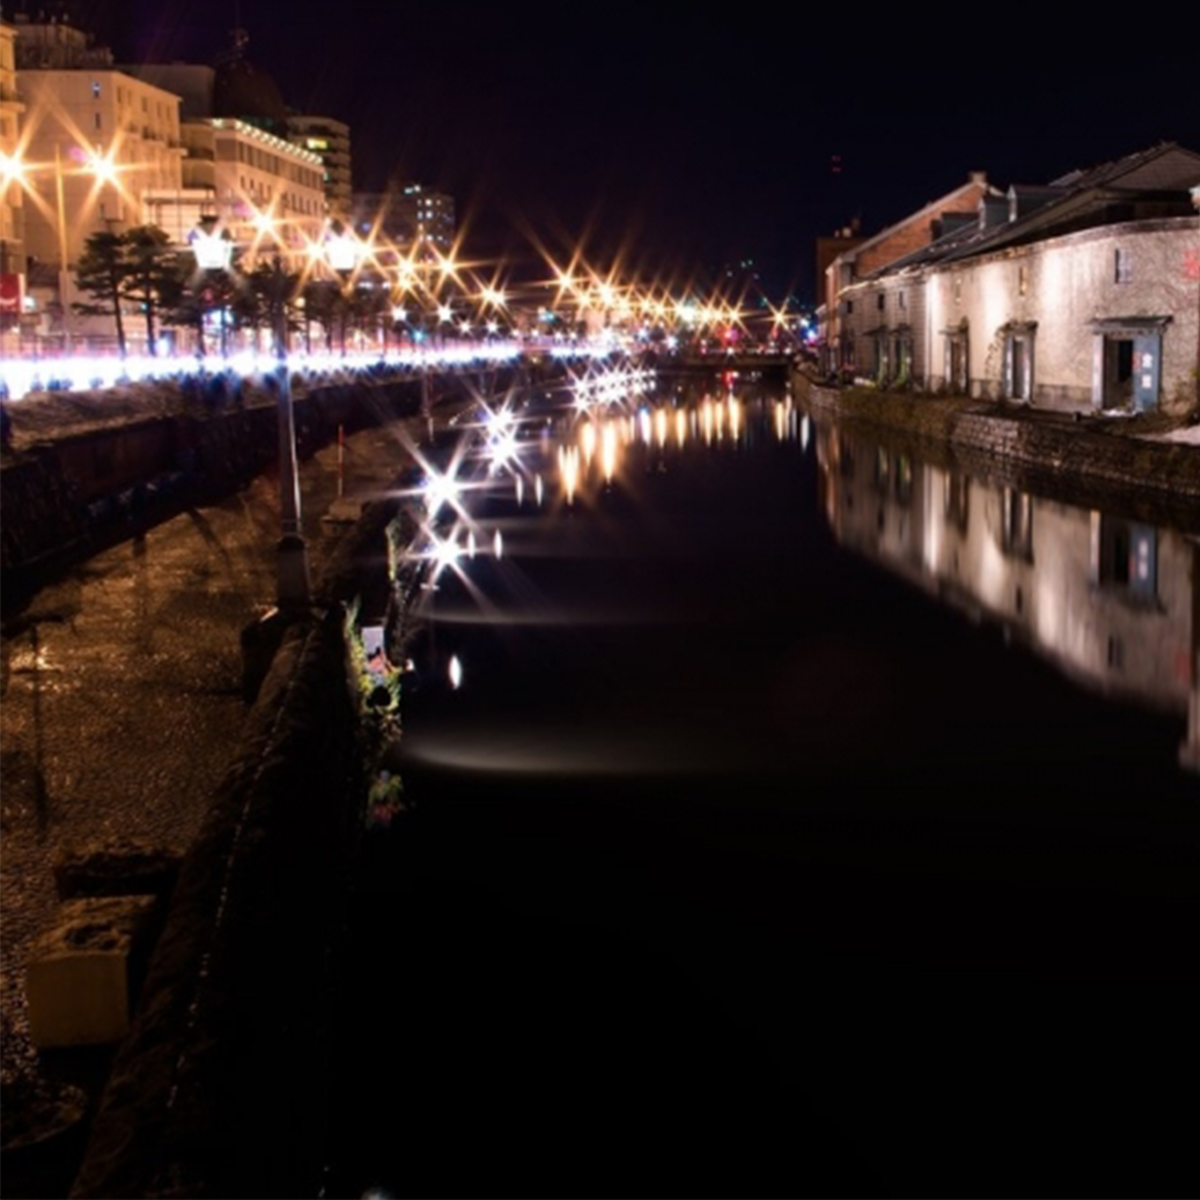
916,231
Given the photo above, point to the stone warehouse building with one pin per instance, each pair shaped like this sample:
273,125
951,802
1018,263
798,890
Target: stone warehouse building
841,316
1080,295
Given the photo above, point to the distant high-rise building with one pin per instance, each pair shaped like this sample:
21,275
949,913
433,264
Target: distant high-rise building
330,139
406,216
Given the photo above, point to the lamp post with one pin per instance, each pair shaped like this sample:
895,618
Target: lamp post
293,591
213,251
342,253
63,272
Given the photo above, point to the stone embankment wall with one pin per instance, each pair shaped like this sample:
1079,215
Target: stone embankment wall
1079,461
220,1087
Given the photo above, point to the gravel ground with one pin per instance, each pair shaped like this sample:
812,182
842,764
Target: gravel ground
121,691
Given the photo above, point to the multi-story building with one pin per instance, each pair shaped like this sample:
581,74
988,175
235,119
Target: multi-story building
406,216
1082,294
94,141
267,193
12,227
242,167
110,136
330,139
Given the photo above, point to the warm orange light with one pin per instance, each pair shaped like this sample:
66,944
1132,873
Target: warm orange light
12,170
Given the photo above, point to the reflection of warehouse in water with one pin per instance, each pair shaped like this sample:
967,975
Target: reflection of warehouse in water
1109,599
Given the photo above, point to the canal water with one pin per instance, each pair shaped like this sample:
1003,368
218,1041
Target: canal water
783,813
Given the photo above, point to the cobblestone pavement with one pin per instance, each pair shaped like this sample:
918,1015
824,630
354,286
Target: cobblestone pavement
121,690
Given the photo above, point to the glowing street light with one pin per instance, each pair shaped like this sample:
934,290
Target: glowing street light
211,245
343,251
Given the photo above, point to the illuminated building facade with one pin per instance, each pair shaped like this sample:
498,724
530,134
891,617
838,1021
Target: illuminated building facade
252,176
111,136
850,331
1081,295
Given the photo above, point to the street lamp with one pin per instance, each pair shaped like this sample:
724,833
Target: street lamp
213,251
293,582
343,252
293,593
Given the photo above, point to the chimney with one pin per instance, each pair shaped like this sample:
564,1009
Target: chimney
979,177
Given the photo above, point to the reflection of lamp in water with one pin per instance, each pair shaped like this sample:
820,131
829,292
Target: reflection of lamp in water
568,462
609,452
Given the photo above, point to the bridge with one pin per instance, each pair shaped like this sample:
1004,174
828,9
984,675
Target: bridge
742,362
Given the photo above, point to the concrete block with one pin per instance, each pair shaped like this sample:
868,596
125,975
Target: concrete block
83,973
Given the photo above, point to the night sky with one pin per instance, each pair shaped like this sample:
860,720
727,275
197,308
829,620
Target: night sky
695,137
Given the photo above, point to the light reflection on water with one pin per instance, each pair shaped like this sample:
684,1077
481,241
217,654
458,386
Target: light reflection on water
1106,599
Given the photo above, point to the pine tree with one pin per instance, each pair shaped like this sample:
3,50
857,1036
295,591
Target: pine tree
322,303
152,273
103,273
276,291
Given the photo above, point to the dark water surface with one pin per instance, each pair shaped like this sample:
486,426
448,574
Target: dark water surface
809,819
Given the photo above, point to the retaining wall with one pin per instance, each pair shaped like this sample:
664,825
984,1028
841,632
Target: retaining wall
1108,469
220,1088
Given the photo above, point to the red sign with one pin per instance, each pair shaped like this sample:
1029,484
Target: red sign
10,294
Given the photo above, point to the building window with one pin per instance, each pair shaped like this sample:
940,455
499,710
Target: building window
903,301
957,290
1016,527
1022,280
95,89
957,501
1122,266
1125,558
97,116
879,302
